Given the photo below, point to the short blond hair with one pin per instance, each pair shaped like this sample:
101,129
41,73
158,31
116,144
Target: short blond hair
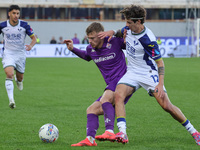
95,26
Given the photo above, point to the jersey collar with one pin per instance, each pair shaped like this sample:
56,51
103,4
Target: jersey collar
133,33
15,25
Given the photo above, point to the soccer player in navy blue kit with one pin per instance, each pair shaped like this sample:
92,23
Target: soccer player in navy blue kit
145,69
14,32
110,59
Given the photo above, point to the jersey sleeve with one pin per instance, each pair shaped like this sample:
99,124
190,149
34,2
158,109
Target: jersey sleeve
150,47
82,53
2,25
29,30
124,28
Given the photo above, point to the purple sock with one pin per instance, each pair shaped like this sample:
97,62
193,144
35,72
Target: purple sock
92,124
109,115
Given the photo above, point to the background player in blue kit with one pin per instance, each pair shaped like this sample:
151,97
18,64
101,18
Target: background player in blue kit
110,59
145,69
14,32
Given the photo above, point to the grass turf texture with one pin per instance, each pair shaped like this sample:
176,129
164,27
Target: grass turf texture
58,91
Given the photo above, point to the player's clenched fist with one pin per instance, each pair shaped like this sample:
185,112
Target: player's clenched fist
69,44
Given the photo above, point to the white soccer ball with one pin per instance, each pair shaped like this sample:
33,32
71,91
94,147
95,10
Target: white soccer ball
48,133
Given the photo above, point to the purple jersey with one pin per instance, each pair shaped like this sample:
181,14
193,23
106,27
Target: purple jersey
109,58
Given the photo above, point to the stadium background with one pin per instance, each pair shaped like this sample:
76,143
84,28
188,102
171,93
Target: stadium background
167,18
58,90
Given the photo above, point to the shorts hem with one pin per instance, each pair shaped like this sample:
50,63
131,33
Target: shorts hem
127,84
8,66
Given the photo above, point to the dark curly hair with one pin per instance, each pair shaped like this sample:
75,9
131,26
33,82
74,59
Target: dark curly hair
135,13
13,7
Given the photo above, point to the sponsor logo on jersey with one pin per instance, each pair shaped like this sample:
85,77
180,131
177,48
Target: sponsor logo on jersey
151,45
155,53
105,58
13,37
31,30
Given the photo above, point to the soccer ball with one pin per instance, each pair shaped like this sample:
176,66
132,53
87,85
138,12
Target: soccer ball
48,133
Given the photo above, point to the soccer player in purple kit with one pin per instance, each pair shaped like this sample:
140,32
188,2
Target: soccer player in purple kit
109,58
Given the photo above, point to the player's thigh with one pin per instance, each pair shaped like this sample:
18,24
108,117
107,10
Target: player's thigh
108,96
20,65
9,70
126,86
95,108
123,90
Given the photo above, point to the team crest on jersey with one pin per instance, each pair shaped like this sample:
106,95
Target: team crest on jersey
20,29
135,43
93,50
108,45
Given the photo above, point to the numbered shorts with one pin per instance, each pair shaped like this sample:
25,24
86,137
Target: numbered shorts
17,61
148,81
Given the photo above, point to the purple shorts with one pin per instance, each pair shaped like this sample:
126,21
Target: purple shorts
112,86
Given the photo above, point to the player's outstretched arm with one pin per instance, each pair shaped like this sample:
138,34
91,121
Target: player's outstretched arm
109,33
80,53
33,42
69,44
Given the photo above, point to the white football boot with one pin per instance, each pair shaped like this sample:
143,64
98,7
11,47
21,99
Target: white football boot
12,104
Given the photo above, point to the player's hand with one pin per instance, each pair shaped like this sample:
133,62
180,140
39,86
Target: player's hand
109,33
28,47
160,91
69,44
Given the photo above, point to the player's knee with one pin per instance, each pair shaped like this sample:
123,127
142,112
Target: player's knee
118,97
110,100
9,75
91,110
88,110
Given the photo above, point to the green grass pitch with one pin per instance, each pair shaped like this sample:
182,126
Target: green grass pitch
58,91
